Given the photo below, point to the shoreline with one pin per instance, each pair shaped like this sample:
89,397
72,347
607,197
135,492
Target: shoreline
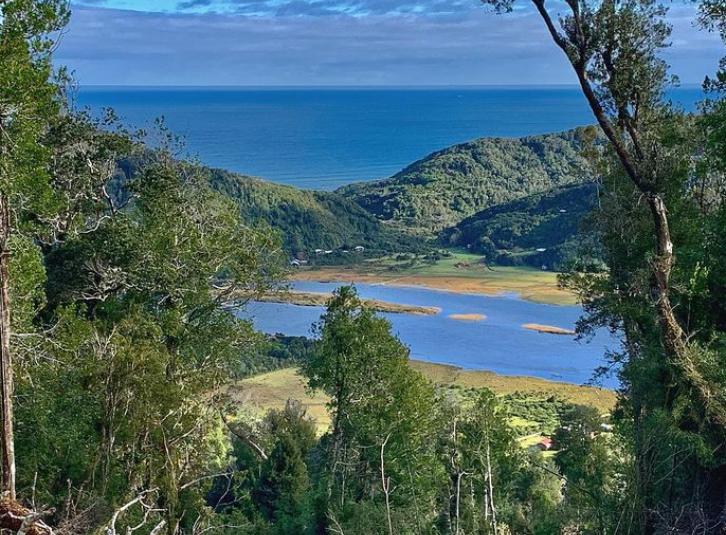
515,283
468,317
502,384
318,299
548,329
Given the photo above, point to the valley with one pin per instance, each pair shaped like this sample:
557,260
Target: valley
463,308
515,202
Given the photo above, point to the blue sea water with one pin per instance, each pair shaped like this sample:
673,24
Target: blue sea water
324,138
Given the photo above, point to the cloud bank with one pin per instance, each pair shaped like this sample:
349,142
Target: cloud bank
331,42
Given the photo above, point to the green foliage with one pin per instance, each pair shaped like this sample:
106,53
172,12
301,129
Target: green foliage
282,491
133,341
123,347
655,406
450,185
310,220
27,100
383,414
542,414
586,460
513,233
275,352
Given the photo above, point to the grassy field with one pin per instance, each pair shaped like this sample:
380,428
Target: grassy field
271,390
460,272
603,400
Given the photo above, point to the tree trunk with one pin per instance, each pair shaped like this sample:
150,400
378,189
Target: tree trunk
673,337
6,361
490,484
386,485
458,502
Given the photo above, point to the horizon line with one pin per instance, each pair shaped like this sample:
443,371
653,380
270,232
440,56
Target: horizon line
691,85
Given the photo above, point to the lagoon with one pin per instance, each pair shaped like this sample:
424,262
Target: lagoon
497,343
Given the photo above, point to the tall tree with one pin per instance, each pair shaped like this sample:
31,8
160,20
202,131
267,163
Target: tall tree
613,48
667,310
27,104
673,355
381,444
136,309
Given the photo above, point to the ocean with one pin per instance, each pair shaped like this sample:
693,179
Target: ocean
324,138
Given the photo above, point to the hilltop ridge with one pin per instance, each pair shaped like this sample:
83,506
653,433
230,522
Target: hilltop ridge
449,185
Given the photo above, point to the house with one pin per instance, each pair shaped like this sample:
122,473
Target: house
359,248
545,444
295,262
563,211
318,251
541,249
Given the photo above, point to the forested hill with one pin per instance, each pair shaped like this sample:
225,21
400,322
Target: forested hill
452,184
541,229
423,199
304,220
308,220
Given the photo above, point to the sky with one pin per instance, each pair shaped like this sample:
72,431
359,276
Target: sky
333,43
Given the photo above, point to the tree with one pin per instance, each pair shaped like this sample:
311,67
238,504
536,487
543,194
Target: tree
380,445
117,285
586,462
485,466
282,491
713,18
613,48
27,102
673,340
136,307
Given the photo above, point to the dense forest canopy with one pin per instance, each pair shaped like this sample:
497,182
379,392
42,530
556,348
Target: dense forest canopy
117,345
544,229
447,186
303,220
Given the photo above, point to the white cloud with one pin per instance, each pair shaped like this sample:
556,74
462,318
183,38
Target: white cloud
451,44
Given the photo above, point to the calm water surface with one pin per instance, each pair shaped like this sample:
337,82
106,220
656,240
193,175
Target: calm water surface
324,138
498,343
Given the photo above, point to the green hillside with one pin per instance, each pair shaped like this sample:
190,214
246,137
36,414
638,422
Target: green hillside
309,220
447,186
541,229
305,220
